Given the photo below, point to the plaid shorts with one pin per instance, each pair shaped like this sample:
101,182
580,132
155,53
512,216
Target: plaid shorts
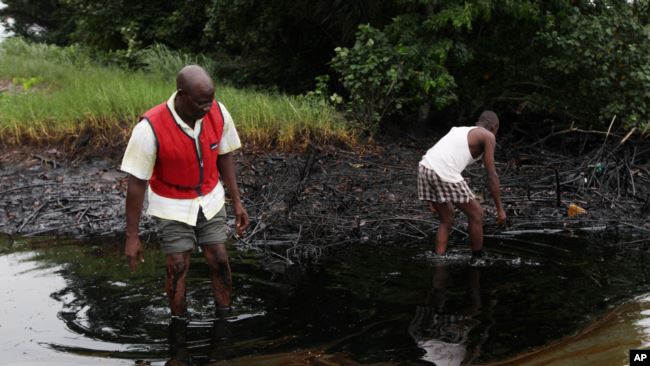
432,188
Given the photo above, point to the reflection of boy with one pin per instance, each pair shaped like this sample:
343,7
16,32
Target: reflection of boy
444,336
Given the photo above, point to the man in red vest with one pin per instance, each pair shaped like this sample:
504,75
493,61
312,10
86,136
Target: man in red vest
183,149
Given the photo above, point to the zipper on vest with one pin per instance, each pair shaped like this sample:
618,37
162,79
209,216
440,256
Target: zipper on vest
200,158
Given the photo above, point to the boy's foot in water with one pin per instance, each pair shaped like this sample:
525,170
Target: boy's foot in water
478,258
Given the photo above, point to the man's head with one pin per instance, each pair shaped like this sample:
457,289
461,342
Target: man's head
489,120
194,92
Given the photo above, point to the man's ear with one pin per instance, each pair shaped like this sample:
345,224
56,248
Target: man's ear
180,92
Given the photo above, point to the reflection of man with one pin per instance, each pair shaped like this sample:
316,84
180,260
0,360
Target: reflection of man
441,184
441,332
180,356
178,343
183,149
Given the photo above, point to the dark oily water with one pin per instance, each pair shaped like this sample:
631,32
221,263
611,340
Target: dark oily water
534,299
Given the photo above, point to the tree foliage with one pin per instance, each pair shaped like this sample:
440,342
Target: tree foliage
286,42
109,25
375,73
38,20
458,57
596,64
579,61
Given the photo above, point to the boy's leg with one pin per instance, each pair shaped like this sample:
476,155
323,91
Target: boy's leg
474,213
446,214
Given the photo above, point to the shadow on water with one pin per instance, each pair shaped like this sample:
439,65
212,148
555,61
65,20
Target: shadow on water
533,299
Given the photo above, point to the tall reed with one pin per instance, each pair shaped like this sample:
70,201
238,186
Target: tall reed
52,93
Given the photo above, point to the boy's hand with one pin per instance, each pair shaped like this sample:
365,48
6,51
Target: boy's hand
501,218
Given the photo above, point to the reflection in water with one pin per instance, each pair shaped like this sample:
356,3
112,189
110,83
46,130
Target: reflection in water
605,342
77,303
180,356
442,329
179,343
30,329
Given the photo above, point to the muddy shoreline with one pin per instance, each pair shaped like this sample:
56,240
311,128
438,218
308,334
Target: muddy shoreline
300,203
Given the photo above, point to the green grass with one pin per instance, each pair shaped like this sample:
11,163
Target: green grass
58,93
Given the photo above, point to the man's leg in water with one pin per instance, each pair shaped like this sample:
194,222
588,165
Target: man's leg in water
177,266
446,214
220,275
474,213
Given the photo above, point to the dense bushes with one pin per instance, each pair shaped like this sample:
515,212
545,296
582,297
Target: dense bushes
596,66
579,61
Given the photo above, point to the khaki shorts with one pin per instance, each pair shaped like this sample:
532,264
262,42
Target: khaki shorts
177,237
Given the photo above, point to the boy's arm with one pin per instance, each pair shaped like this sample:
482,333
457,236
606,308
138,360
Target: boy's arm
492,177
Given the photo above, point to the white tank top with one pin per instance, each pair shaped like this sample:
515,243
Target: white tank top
450,155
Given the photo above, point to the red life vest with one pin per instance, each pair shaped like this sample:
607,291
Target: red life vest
179,171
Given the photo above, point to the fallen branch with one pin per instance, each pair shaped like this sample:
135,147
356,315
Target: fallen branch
33,215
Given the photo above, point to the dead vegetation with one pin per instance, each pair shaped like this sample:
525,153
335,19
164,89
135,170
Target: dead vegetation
303,203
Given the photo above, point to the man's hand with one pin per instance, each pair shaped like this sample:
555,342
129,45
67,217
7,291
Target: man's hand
134,199
241,218
133,251
501,217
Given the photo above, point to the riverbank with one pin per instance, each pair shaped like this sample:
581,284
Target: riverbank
301,203
74,99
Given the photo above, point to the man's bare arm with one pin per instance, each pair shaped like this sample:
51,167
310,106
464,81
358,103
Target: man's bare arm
226,168
493,184
134,200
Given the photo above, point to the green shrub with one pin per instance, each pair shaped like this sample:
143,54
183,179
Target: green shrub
382,74
597,66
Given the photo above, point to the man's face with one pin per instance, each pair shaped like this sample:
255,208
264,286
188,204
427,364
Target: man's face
195,103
